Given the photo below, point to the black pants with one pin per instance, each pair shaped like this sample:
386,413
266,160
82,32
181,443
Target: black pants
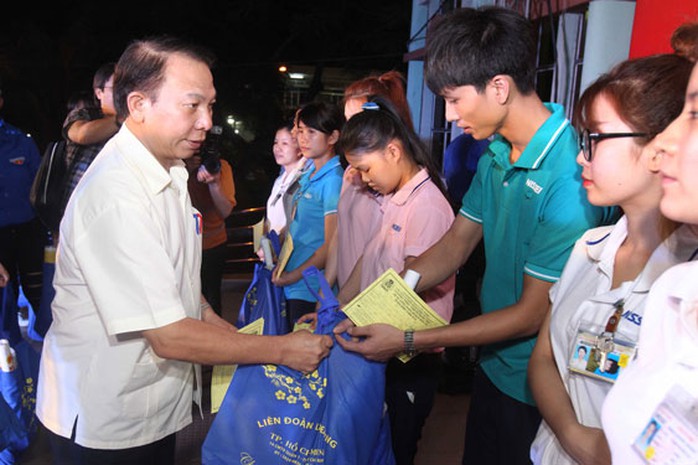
22,254
409,393
499,429
212,267
65,451
296,308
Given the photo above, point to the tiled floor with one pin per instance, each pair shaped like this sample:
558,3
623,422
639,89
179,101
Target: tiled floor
441,443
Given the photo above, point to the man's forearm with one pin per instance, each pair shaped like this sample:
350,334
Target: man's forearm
198,341
93,132
445,257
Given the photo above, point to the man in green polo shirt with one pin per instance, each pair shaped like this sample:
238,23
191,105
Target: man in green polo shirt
528,203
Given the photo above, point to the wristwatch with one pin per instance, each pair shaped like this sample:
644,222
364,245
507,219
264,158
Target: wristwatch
410,350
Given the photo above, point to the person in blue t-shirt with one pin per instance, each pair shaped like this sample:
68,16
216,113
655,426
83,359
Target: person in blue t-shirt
314,213
22,235
460,163
527,202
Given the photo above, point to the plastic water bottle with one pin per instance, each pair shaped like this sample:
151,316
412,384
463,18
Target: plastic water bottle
7,357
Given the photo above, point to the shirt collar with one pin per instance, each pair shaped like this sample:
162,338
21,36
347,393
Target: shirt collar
685,287
331,164
603,250
539,146
154,175
405,192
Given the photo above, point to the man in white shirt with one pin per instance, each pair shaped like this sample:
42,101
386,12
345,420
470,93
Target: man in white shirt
130,327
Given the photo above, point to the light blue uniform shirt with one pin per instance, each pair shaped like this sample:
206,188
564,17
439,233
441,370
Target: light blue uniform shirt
316,198
531,212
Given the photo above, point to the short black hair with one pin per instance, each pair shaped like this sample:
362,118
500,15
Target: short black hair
141,66
470,46
322,116
102,75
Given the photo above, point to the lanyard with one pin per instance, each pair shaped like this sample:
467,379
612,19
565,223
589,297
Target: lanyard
614,319
605,341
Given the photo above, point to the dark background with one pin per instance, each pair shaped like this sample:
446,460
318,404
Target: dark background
49,52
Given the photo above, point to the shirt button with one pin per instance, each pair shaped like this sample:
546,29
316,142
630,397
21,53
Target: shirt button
505,183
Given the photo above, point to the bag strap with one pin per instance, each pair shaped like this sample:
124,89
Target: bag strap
329,313
273,237
327,298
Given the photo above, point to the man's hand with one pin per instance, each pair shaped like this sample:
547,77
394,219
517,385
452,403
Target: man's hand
379,342
303,350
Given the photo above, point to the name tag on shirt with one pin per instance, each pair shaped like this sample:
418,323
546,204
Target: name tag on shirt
599,359
671,435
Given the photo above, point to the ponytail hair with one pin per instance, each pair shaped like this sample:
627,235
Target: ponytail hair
390,85
376,126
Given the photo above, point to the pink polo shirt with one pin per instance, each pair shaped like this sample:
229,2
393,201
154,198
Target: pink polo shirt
414,218
358,219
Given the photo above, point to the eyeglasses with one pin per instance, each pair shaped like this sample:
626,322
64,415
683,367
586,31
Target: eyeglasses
589,137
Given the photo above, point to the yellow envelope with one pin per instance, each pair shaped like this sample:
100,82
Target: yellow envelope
284,254
222,375
257,233
390,300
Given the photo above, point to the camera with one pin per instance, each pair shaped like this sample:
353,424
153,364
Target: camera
211,150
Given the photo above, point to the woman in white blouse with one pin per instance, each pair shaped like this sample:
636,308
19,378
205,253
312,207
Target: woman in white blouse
599,300
659,391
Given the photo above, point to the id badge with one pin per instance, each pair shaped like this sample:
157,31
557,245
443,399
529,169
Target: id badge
671,435
600,356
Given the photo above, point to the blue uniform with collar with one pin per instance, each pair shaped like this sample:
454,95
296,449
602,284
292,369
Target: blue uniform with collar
316,198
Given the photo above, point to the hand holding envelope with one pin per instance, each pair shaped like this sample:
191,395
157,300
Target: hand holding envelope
381,313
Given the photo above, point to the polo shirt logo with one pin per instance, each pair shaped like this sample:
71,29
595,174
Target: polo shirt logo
534,186
199,223
19,161
308,195
396,227
633,317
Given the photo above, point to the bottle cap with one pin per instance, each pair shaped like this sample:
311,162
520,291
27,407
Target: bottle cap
412,278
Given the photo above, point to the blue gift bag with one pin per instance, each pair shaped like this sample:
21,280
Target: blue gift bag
275,415
18,387
264,300
13,435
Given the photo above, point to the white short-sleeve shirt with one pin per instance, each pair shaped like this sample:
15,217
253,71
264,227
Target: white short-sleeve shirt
128,260
667,357
583,297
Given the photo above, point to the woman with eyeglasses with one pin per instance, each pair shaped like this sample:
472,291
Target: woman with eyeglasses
659,392
599,300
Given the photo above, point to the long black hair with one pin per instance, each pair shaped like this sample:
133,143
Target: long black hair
376,126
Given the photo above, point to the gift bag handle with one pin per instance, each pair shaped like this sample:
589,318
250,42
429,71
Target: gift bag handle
327,300
273,237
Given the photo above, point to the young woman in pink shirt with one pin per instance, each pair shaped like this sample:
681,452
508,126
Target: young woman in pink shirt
392,161
358,210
